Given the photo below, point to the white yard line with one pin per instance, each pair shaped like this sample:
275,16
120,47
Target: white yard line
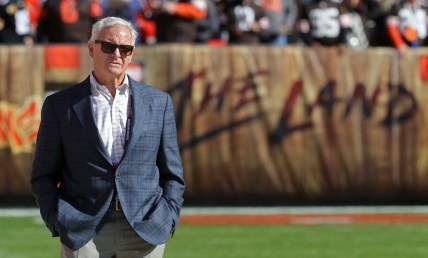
19,212
305,210
34,212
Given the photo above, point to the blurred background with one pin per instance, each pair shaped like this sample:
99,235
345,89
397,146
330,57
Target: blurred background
289,113
277,102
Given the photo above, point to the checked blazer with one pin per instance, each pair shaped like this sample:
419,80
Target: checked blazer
73,178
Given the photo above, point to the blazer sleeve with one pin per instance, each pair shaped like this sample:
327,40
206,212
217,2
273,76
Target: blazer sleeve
169,162
47,164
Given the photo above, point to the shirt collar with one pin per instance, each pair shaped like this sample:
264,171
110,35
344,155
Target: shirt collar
97,88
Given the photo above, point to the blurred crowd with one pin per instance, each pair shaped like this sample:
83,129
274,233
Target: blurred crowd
352,23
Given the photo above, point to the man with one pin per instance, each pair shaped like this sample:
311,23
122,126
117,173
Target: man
15,23
107,173
246,22
67,21
282,15
323,22
176,20
407,24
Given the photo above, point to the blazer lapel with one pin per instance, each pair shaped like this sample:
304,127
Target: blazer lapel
141,108
84,112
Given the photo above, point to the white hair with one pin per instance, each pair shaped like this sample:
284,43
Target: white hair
111,21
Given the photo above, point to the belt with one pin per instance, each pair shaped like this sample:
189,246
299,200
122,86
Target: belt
115,205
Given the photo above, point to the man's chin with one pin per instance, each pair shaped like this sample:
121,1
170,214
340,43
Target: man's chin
115,71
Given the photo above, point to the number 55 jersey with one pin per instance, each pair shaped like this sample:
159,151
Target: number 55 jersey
323,22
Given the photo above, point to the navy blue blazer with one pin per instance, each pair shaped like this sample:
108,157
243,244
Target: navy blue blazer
69,150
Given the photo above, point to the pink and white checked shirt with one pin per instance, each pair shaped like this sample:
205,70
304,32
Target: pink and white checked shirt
111,114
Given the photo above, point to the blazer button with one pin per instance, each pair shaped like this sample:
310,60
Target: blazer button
117,175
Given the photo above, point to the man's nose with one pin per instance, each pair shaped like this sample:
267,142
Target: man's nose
117,52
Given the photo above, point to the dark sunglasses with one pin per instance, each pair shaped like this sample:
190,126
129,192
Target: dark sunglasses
109,48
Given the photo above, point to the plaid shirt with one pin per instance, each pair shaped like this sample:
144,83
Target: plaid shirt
111,115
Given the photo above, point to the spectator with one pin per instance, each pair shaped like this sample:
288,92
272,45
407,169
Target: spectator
145,24
246,22
34,7
118,8
377,32
282,15
323,22
357,11
209,27
221,35
407,24
176,19
135,6
15,23
67,20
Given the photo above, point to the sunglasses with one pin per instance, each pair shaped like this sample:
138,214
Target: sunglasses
109,48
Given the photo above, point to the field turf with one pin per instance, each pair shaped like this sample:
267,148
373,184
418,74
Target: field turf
324,235
27,237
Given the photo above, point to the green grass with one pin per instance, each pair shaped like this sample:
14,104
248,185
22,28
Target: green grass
28,238
341,241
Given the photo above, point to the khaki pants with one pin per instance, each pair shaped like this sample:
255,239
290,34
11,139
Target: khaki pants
116,239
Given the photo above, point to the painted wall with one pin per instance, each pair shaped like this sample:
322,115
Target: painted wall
254,122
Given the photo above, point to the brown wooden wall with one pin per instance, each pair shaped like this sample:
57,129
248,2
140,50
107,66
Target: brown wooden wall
254,121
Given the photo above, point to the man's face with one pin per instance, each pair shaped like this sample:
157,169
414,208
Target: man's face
111,64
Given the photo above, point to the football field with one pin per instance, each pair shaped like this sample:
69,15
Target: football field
342,232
